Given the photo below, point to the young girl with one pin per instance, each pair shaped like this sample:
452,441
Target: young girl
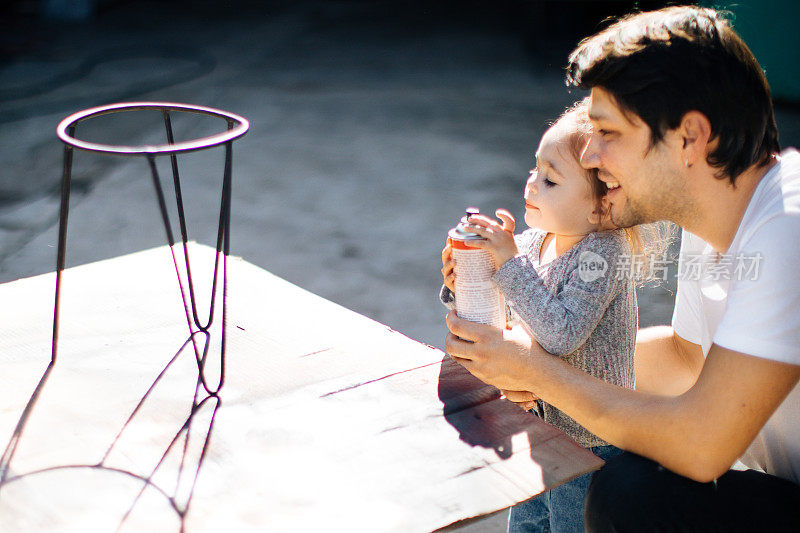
564,279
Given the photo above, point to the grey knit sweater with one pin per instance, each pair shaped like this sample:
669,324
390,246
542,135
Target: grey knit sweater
581,306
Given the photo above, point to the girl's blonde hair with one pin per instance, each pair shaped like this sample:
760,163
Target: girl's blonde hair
648,242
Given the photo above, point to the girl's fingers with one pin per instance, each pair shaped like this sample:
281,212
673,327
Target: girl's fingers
477,243
447,253
480,230
448,267
483,221
508,220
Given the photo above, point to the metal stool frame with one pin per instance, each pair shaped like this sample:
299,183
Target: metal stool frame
237,127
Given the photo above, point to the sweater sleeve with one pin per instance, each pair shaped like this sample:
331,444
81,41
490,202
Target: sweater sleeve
448,297
563,321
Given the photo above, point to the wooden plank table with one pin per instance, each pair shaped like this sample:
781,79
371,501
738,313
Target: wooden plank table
326,419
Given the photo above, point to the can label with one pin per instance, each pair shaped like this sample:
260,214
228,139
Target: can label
477,297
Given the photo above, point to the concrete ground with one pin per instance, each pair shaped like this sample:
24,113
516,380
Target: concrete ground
372,126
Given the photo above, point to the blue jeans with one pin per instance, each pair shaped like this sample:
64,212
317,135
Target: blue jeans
559,510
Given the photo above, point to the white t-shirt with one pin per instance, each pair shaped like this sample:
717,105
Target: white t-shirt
749,301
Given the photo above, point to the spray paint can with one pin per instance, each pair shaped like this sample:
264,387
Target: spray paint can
477,298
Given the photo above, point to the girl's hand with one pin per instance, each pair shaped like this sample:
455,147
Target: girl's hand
448,266
499,236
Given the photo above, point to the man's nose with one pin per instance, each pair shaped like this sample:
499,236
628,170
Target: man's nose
590,156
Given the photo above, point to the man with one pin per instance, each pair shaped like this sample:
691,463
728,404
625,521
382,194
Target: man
683,130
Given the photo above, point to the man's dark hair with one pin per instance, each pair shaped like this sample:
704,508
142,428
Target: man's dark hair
662,64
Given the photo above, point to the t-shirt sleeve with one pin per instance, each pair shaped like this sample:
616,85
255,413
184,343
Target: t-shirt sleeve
686,316
762,317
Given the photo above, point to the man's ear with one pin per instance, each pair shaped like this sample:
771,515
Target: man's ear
695,132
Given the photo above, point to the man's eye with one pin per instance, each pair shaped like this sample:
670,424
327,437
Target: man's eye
604,133
549,183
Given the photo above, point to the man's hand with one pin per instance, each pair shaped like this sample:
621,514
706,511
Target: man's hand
499,235
500,357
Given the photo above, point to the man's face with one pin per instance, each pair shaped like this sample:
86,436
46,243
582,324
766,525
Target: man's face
644,181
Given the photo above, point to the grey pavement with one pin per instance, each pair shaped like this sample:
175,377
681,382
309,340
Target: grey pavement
372,127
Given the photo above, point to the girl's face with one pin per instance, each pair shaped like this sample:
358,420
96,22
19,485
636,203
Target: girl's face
558,195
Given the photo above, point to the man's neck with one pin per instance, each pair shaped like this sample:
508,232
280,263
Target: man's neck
722,206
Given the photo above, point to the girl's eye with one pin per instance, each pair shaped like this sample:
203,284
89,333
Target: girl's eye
549,183
604,133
